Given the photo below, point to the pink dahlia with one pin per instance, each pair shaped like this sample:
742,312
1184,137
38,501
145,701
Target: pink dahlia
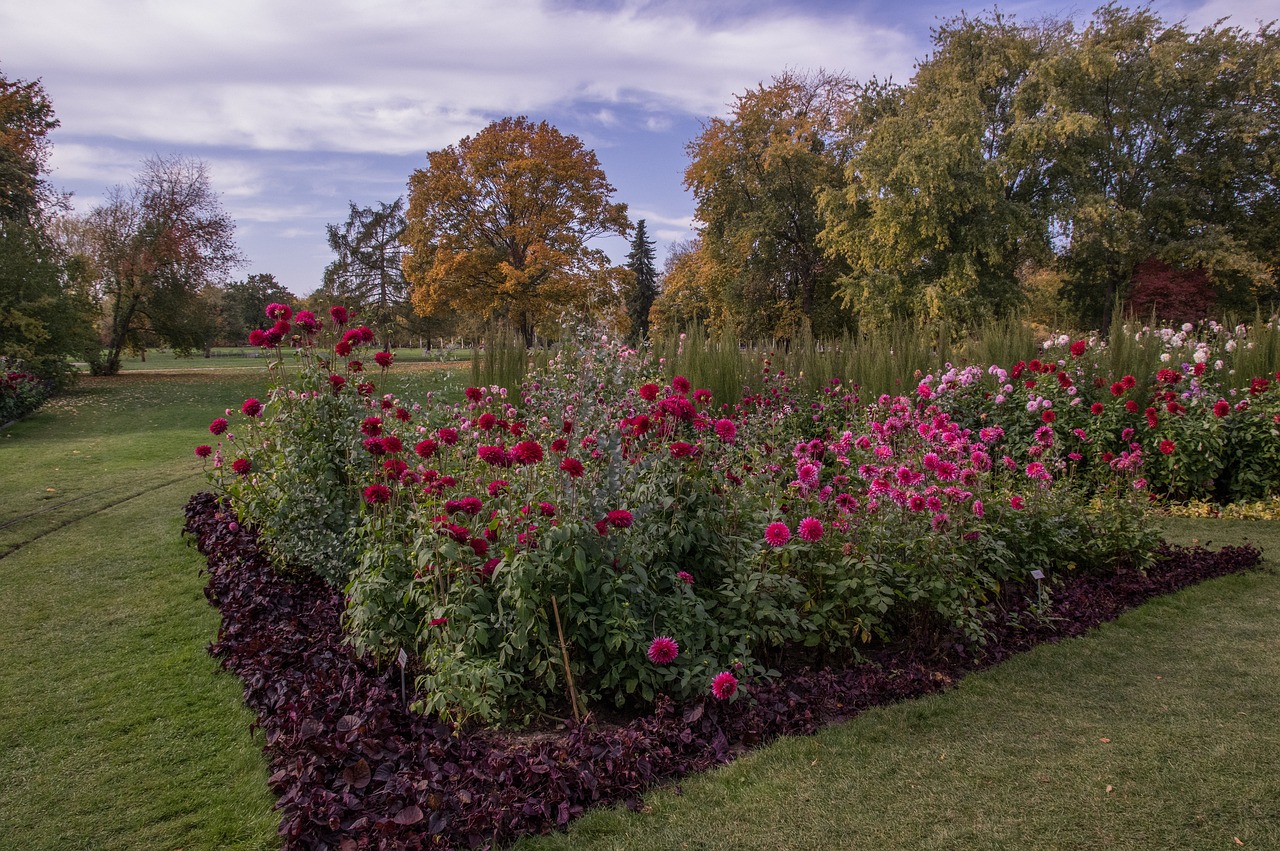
724,685
306,320
242,466
726,430
494,455
279,311
383,359
372,426
777,534
527,452
251,407
685,577
218,426
811,529
649,392
663,650
680,449
377,494
425,448
573,467
620,518
203,451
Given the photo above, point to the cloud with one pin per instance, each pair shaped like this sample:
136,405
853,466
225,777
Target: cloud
1240,13
403,76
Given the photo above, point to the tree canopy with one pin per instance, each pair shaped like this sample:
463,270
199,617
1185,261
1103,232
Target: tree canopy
151,250
1020,158
499,227
644,289
44,317
26,119
368,272
756,176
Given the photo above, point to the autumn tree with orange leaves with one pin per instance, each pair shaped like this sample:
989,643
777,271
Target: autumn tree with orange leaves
499,227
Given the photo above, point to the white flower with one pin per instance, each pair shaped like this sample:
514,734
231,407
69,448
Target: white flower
1166,357
1186,326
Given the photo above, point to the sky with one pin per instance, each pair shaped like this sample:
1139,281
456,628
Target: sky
299,107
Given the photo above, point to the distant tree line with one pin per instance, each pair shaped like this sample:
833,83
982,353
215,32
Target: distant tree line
1040,169
1024,167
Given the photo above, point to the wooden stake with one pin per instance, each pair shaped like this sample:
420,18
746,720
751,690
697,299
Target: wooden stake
564,652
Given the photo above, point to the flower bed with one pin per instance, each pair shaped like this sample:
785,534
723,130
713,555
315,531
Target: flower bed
355,769
613,537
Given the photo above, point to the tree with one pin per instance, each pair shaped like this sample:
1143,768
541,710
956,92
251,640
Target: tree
692,291
368,273
945,191
26,119
1169,148
152,249
499,226
244,305
641,296
44,318
756,176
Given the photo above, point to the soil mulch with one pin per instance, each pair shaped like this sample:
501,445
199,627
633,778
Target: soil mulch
354,769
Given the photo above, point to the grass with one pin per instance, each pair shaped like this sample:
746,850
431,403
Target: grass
1156,731
119,732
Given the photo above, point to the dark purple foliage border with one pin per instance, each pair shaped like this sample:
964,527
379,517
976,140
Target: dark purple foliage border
354,770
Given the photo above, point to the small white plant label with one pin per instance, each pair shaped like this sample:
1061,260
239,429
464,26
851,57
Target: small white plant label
1037,575
402,658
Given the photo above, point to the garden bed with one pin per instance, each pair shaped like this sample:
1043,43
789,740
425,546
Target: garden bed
354,769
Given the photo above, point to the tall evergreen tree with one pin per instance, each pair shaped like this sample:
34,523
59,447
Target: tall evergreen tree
368,268
641,263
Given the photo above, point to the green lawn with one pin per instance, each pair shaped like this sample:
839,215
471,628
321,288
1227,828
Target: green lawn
118,731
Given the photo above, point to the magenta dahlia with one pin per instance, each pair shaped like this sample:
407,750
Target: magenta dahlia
724,685
777,534
663,650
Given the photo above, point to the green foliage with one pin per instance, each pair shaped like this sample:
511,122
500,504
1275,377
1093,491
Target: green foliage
1024,166
368,272
641,296
26,119
942,198
242,305
755,177
44,321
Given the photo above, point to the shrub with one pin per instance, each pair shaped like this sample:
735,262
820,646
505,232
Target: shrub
21,393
